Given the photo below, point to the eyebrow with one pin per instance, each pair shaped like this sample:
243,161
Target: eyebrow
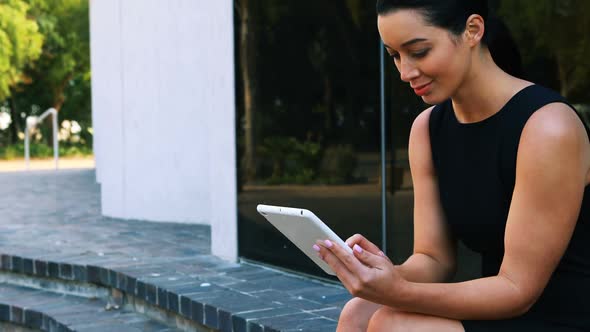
408,43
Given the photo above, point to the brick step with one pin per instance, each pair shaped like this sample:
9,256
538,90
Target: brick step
49,311
199,291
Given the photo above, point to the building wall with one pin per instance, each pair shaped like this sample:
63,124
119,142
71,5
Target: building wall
164,112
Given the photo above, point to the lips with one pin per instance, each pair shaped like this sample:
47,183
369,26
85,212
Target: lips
421,90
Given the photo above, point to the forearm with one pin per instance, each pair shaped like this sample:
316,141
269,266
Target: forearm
423,268
486,298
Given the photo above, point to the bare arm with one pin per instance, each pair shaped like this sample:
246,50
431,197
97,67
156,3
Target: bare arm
434,257
552,168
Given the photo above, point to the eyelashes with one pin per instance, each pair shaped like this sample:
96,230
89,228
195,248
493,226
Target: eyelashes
416,55
420,54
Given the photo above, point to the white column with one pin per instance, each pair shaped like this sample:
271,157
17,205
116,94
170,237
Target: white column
164,113
107,96
223,167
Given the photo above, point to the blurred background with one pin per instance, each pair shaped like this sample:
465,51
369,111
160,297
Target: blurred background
45,63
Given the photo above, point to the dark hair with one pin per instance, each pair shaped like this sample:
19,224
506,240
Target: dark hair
453,14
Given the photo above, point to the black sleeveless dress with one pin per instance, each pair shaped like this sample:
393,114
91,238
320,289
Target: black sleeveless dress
476,168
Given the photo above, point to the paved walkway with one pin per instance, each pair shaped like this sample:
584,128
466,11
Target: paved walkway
18,165
59,213
55,217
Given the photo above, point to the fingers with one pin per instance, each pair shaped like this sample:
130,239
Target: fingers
354,270
368,258
351,263
364,243
335,264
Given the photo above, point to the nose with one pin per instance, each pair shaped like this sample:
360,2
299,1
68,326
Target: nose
408,71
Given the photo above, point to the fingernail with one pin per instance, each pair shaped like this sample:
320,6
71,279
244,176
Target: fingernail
358,249
316,247
328,243
382,254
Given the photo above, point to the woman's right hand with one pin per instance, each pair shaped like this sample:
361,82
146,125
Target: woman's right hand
365,244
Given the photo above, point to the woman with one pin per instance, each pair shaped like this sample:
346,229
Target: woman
500,164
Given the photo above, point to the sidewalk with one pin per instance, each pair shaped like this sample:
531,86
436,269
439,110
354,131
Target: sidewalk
51,227
18,165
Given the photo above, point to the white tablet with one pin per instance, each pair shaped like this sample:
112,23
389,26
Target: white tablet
303,228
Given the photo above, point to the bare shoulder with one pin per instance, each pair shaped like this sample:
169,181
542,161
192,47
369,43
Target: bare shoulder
422,120
554,123
556,134
420,127
419,149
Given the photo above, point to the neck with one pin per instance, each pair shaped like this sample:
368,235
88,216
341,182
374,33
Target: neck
485,90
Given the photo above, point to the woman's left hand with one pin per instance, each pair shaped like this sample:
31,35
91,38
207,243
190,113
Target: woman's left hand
365,275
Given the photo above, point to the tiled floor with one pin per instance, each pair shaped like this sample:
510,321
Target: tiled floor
55,217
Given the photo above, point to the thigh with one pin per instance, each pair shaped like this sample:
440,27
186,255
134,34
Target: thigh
386,319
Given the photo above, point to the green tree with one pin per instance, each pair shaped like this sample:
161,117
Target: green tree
61,76
246,11
20,45
320,42
556,27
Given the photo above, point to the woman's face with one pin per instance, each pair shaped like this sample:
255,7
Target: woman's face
429,58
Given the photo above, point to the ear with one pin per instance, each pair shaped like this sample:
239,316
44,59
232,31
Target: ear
474,29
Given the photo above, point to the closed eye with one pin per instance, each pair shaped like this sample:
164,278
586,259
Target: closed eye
420,54
416,55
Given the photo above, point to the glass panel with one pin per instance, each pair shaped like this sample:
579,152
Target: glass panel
555,45
402,108
308,120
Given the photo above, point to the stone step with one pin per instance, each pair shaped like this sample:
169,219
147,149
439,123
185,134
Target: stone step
49,311
201,292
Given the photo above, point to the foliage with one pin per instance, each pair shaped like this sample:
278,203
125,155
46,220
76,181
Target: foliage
559,29
338,164
20,44
292,161
295,162
60,78
316,84
63,70
41,150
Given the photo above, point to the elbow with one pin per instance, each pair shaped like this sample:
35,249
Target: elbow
523,298
528,302
515,307
523,308
523,302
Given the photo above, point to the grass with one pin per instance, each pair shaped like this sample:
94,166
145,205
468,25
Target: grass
17,151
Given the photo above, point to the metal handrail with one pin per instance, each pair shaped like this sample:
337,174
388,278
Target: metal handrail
31,122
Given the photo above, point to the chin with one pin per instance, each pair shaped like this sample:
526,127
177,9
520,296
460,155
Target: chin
432,100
